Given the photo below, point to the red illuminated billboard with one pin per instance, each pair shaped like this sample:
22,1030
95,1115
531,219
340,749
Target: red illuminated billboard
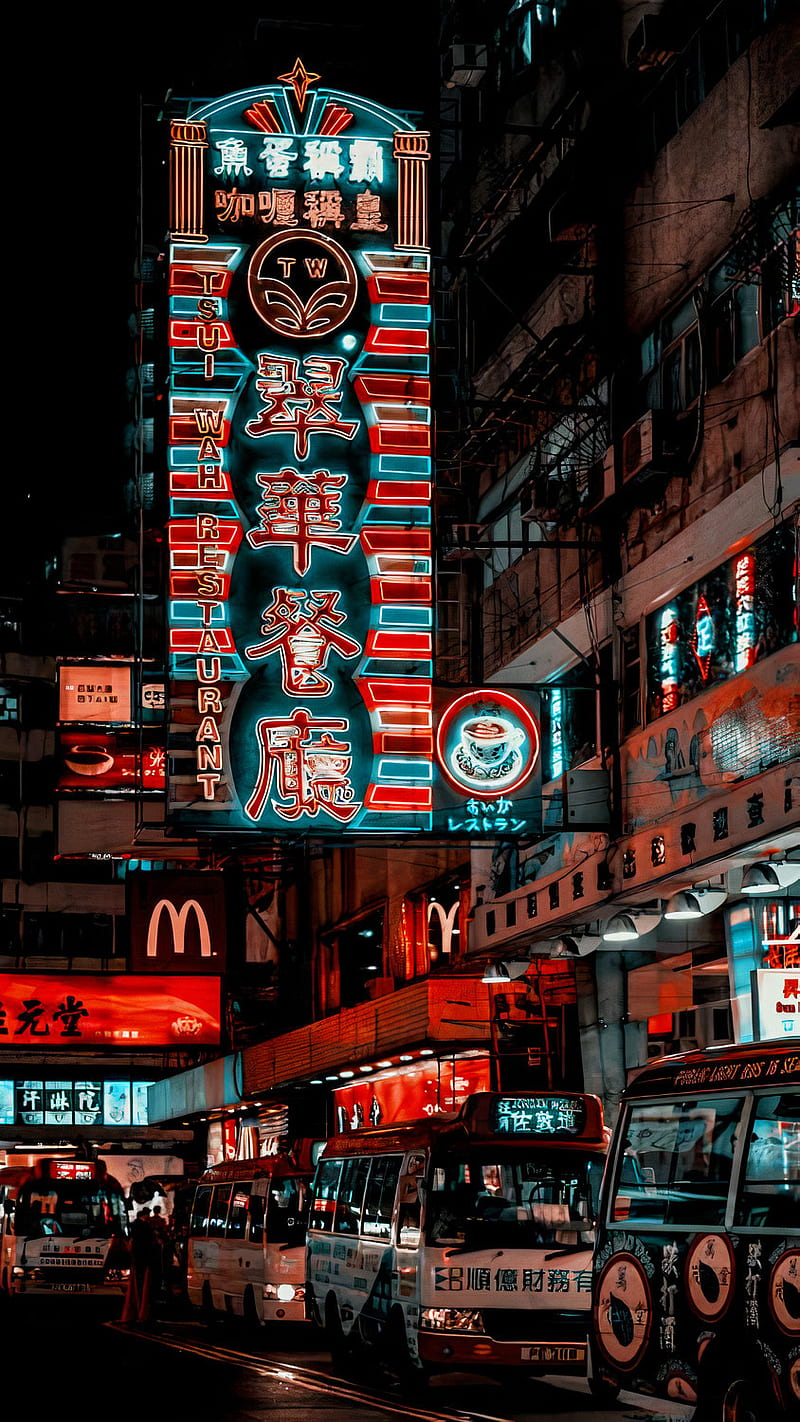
52,1010
92,761
411,1093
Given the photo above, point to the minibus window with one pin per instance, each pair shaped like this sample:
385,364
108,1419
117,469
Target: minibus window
237,1219
325,1189
771,1178
202,1200
286,1211
379,1199
515,1201
256,1219
219,1211
350,1197
677,1162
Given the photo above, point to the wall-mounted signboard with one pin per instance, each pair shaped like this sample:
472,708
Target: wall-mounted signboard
99,692
776,1003
109,761
300,472
176,921
51,1011
43,1101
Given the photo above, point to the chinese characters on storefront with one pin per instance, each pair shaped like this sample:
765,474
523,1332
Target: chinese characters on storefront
38,1010
37,1102
300,477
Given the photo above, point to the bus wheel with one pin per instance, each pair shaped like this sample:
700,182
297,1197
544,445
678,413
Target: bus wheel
748,1401
398,1356
252,1322
340,1347
207,1309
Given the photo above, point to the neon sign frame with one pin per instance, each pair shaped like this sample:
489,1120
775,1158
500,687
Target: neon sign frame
301,614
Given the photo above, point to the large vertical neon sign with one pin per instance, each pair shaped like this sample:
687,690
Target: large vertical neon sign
300,467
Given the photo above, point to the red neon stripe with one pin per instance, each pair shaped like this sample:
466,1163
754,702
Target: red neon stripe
190,334
379,692
189,281
407,797
399,492
372,389
396,540
188,640
184,429
398,340
182,485
400,439
184,585
398,644
184,533
400,287
401,590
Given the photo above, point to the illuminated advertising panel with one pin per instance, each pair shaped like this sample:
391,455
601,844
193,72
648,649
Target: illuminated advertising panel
176,921
410,1093
91,761
94,693
776,997
73,1103
96,1010
301,612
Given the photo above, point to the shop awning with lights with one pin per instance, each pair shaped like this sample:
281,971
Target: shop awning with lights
438,1016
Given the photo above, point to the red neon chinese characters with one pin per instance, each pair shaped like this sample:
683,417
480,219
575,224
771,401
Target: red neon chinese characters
300,406
311,775
300,512
301,625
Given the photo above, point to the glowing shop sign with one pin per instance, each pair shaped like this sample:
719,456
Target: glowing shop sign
555,1116
669,638
301,616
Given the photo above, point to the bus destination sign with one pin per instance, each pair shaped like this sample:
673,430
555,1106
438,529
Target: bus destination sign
553,1116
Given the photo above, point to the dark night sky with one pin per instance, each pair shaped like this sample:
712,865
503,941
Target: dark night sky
84,119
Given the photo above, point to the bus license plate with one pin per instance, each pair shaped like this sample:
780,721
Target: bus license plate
554,1353
70,1288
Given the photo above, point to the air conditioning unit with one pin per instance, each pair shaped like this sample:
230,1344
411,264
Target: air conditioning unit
600,483
654,445
465,66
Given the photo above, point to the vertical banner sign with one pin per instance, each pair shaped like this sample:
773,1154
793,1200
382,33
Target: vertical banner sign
300,468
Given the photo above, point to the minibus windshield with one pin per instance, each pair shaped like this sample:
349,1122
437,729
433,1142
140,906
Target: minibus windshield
544,1200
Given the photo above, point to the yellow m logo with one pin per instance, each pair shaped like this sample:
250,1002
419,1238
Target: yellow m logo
178,918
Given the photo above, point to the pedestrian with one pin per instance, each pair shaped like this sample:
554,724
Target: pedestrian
163,1249
139,1298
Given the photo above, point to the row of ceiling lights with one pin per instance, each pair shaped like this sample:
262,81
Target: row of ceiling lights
366,1067
628,925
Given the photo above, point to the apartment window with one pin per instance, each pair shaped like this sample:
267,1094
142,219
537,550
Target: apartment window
670,361
733,322
631,679
750,292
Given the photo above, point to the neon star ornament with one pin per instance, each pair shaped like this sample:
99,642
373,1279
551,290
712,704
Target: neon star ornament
299,77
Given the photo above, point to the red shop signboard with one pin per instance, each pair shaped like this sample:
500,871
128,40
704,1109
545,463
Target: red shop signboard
74,1010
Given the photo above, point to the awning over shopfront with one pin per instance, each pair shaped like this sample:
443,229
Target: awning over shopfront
444,1014
211,1087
